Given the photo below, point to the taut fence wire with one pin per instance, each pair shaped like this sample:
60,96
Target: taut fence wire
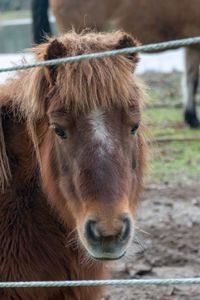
127,282
144,49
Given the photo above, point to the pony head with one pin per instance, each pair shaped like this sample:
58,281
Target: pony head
88,135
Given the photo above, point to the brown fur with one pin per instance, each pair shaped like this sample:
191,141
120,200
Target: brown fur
148,20
40,220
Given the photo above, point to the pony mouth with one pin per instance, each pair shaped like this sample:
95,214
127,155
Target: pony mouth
108,257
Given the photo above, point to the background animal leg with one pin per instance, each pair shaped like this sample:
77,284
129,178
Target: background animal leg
41,26
190,84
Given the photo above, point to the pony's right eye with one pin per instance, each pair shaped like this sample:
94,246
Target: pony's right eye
59,131
134,128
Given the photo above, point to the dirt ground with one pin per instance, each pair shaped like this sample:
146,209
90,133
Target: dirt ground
167,244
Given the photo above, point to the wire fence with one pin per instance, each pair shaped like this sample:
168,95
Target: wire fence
144,48
127,282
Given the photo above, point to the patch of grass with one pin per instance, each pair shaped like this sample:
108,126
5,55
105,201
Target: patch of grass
175,161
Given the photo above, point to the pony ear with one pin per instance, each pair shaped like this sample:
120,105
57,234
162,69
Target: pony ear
55,49
126,41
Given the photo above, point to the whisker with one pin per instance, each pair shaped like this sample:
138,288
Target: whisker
72,239
71,232
139,242
142,230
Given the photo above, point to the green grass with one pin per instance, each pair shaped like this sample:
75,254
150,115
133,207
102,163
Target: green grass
172,161
177,161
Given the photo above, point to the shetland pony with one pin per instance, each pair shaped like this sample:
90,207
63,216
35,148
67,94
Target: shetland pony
150,21
72,159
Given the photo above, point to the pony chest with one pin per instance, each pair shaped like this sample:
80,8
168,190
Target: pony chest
32,243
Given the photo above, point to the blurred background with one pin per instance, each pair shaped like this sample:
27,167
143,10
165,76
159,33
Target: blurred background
16,35
167,243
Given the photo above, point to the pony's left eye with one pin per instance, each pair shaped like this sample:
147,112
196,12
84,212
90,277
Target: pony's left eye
59,131
134,128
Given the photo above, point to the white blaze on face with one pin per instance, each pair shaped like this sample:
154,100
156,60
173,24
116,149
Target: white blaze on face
100,132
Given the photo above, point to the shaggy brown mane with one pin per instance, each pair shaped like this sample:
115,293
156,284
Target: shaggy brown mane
84,85
78,86
5,173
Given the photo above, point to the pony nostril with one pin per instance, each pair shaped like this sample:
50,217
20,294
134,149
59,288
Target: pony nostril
126,229
96,234
91,231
